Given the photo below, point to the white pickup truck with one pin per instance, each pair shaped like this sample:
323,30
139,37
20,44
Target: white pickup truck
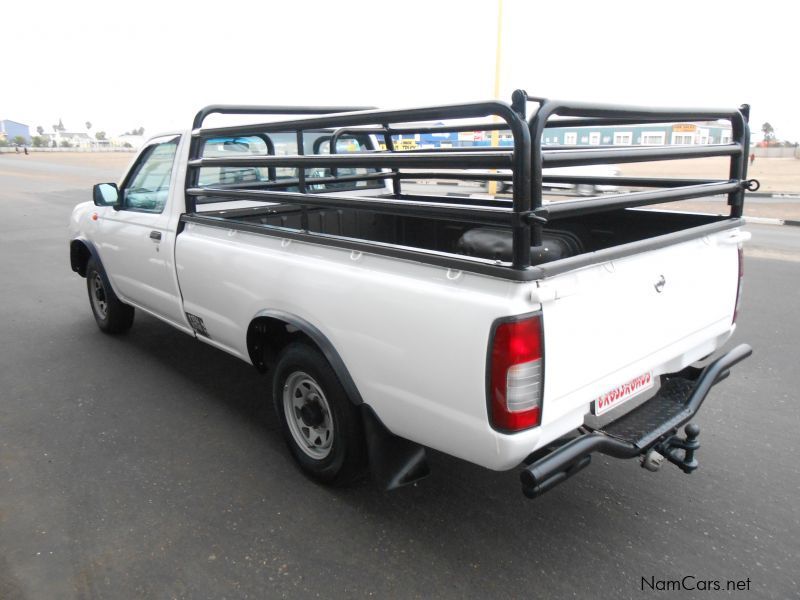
504,332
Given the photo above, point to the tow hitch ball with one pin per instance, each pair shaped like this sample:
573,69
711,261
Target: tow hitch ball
679,451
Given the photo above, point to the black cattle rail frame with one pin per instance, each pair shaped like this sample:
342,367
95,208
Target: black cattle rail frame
525,215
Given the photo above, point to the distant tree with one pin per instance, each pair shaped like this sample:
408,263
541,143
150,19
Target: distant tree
40,130
39,141
126,145
139,131
100,135
88,124
19,140
60,126
769,132
65,144
3,142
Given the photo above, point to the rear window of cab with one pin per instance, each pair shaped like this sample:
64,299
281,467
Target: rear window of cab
283,144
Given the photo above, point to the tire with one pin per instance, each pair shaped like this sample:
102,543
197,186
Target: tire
320,424
110,313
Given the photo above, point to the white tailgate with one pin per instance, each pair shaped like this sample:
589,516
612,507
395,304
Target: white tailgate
609,323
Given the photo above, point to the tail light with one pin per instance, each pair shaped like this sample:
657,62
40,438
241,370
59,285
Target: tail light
516,375
739,288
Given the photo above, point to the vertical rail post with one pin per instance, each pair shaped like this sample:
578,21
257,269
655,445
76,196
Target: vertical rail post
332,145
301,181
537,126
738,169
272,172
521,182
192,174
389,143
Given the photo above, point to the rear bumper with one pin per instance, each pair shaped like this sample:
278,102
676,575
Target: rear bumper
654,424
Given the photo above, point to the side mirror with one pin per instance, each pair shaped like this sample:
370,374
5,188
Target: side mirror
105,194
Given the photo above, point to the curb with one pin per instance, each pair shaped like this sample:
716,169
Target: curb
765,221
774,195
769,221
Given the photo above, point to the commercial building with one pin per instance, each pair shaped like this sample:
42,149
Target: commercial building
11,129
635,135
640,135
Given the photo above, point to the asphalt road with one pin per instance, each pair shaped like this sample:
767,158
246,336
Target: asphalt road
147,466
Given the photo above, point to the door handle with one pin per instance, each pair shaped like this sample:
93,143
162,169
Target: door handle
155,235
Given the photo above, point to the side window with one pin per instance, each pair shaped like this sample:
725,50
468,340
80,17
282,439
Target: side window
147,188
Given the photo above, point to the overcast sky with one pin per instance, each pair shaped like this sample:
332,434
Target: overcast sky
123,65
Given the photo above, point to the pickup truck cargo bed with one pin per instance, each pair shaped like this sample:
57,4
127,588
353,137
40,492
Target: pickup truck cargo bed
592,233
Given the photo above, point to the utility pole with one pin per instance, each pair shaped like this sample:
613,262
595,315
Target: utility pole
492,188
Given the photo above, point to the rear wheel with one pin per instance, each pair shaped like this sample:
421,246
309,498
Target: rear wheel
320,424
110,313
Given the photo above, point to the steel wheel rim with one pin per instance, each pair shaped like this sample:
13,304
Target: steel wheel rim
99,300
308,415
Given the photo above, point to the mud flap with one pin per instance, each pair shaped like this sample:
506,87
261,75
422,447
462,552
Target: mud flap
393,461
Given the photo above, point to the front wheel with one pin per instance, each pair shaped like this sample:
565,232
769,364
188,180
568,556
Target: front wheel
110,313
320,424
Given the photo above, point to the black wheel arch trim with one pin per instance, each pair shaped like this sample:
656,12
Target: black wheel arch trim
323,343
75,262
81,270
